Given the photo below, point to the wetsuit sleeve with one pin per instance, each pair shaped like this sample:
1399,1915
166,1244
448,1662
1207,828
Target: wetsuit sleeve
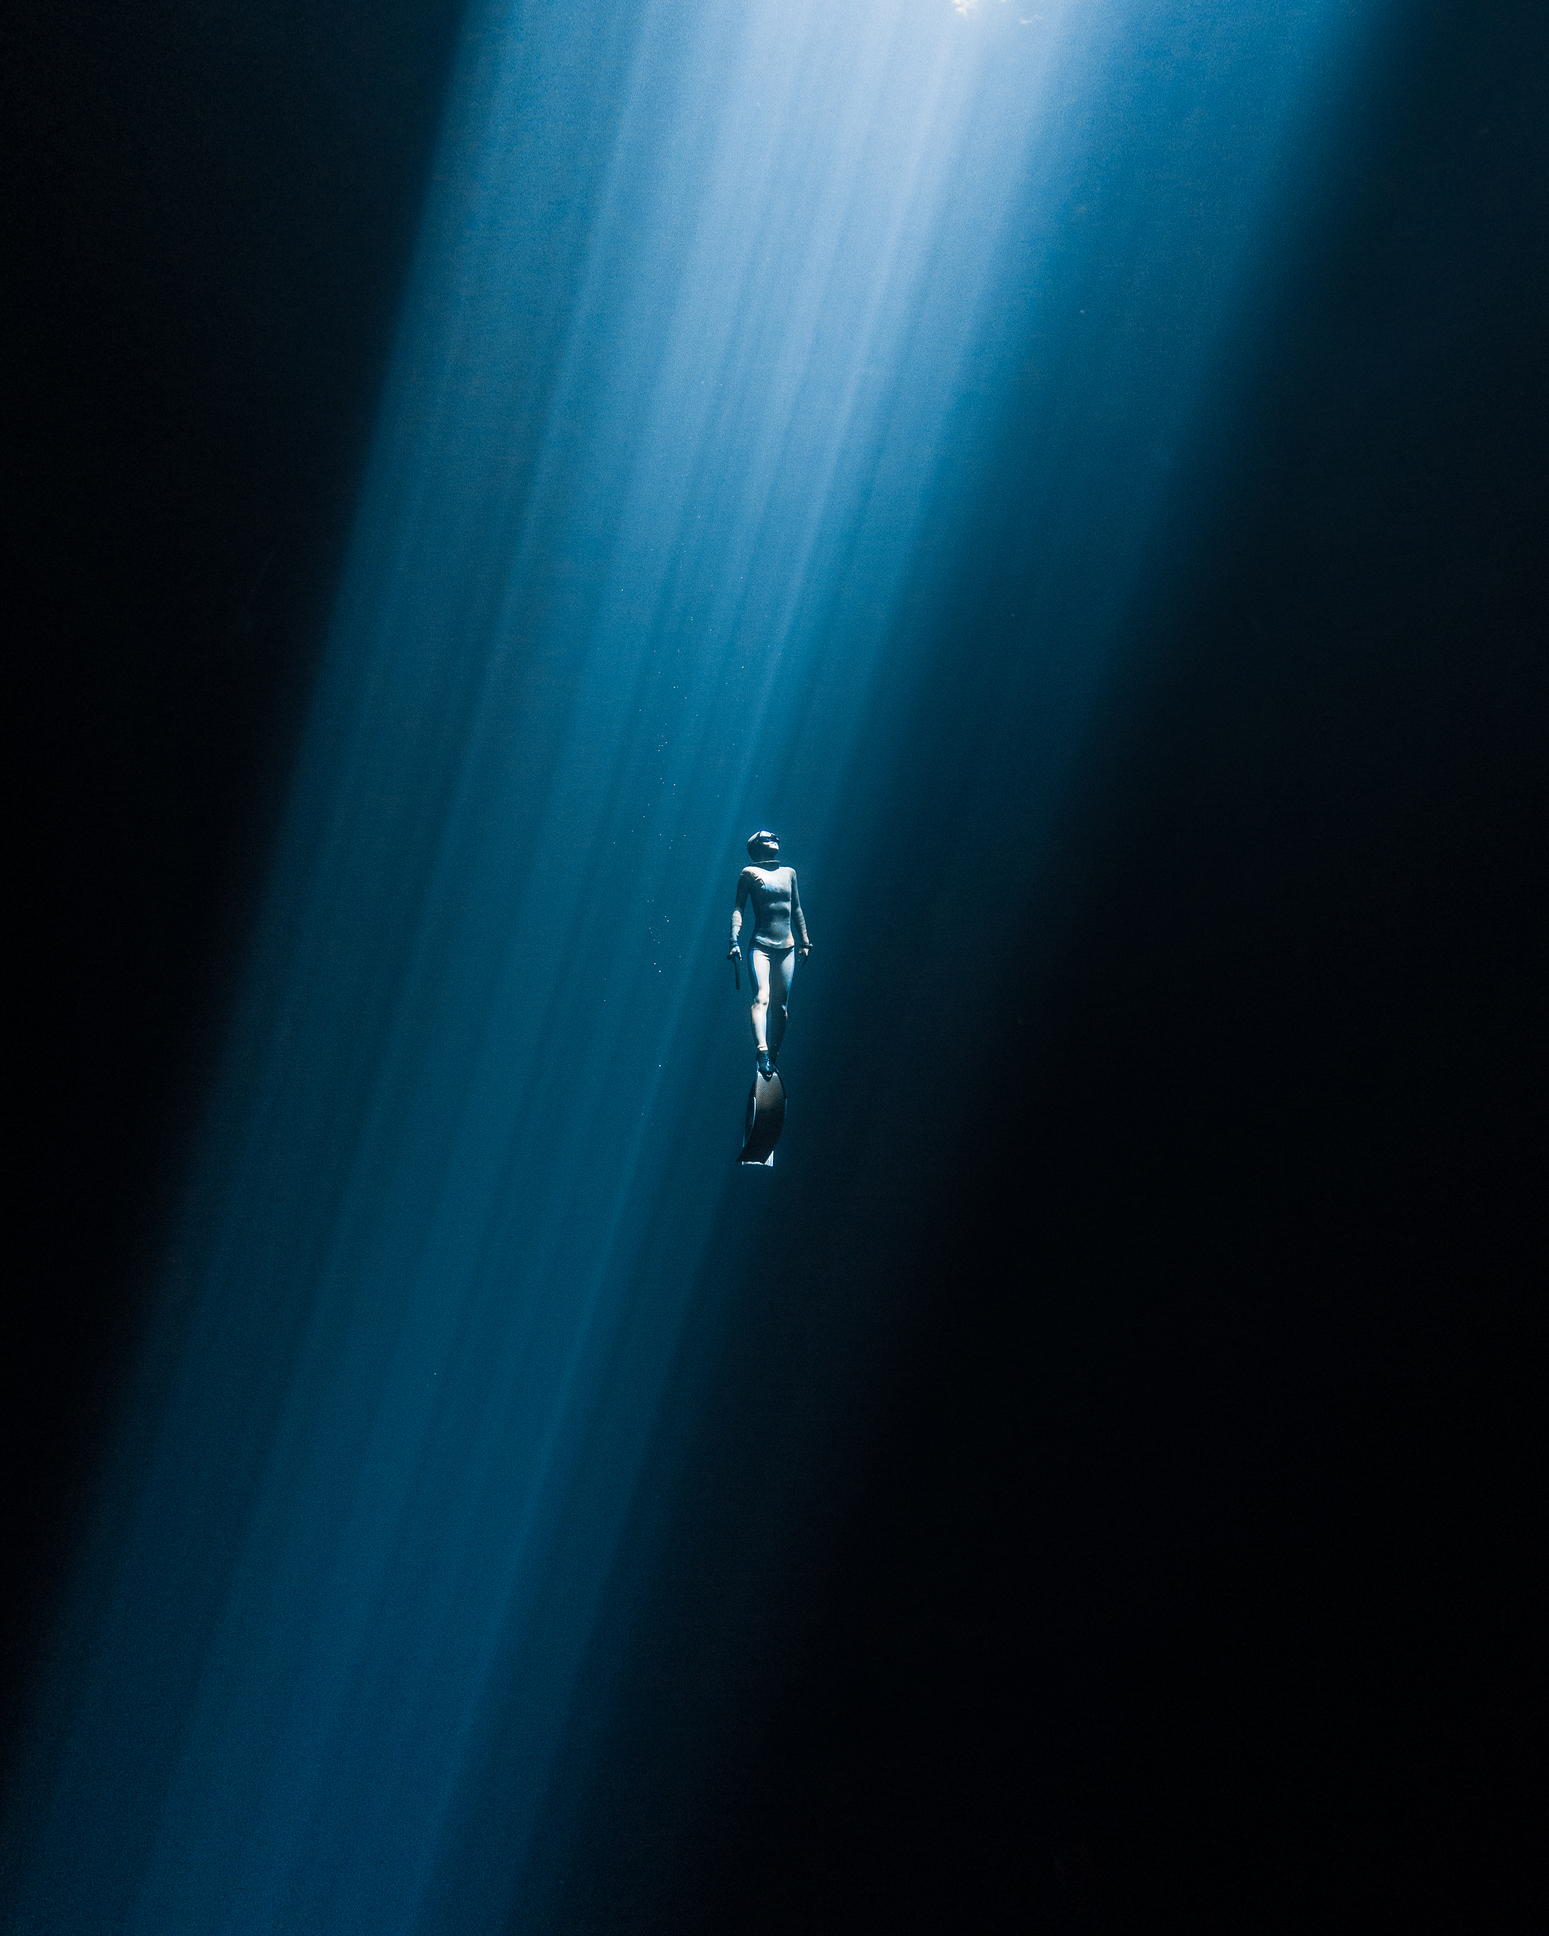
798,919
744,888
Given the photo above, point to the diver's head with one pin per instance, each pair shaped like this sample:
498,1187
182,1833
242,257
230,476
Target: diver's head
764,847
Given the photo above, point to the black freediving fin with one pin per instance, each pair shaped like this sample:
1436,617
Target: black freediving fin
764,1120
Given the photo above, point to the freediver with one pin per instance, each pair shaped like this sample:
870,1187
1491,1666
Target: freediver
773,950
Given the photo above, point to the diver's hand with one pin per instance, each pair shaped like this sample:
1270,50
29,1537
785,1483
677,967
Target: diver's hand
734,953
804,952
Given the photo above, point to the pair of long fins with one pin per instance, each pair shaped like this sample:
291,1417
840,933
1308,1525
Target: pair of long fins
764,1120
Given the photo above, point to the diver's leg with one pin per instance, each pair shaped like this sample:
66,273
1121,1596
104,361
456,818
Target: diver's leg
758,967
780,995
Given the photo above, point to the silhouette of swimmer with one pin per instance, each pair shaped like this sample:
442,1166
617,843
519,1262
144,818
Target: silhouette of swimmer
772,953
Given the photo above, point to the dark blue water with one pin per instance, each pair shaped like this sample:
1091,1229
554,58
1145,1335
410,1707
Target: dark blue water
792,417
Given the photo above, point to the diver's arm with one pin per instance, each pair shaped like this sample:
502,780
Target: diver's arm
799,920
734,952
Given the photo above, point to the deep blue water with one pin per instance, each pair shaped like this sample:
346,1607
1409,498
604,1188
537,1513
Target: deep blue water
792,417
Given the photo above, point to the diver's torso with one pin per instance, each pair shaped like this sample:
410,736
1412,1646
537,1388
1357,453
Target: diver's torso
769,889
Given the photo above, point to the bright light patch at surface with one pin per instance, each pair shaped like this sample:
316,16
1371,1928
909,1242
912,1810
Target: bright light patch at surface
712,323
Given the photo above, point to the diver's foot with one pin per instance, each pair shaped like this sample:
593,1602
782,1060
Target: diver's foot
765,1065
